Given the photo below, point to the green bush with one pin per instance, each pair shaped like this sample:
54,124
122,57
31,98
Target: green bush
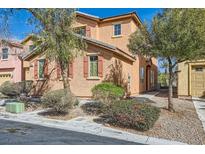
9,89
107,92
130,114
58,100
93,108
162,79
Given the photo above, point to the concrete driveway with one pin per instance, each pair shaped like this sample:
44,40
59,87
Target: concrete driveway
17,133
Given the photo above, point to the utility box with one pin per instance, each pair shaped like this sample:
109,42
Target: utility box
15,107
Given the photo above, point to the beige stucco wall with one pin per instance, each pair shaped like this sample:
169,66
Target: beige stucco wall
129,69
153,66
106,31
183,82
80,21
133,26
27,44
81,86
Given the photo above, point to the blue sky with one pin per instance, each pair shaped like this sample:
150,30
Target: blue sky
19,28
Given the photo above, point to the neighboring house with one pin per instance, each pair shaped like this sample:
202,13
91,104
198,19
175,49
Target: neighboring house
191,78
10,61
107,58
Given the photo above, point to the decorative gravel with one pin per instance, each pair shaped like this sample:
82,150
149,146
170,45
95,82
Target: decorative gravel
182,125
76,112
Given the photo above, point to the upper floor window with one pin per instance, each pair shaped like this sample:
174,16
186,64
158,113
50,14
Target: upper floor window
117,29
81,31
5,53
41,64
93,66
31,47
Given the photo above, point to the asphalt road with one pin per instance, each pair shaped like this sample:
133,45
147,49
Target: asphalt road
16,133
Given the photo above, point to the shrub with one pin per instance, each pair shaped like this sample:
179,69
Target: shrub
93,108
15,89
25,86
58,100
9,89
129,114
107,92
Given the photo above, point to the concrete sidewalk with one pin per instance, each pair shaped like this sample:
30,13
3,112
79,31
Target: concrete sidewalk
149,95
200,109
85,125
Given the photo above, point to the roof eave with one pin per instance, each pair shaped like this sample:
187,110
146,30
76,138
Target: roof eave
26,39
114,50
97,19
127,15
100,44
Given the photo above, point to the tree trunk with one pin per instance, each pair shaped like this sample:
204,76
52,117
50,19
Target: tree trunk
64,74
66,85
170,95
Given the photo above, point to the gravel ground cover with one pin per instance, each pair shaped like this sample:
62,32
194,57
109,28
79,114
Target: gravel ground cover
76,112
182,125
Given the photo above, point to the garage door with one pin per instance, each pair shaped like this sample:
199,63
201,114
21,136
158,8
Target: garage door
5,77
198,81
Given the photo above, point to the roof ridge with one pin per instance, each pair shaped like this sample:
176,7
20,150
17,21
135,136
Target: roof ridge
112,16
87,14
122,14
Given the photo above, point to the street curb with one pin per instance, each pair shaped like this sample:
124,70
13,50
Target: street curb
106,132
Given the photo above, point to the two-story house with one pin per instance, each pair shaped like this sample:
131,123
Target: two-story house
106,55
10,61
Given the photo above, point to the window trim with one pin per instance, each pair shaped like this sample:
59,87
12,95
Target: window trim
199,69
142,76
31,47
80,27
119,35
41,78
89,76
3,54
